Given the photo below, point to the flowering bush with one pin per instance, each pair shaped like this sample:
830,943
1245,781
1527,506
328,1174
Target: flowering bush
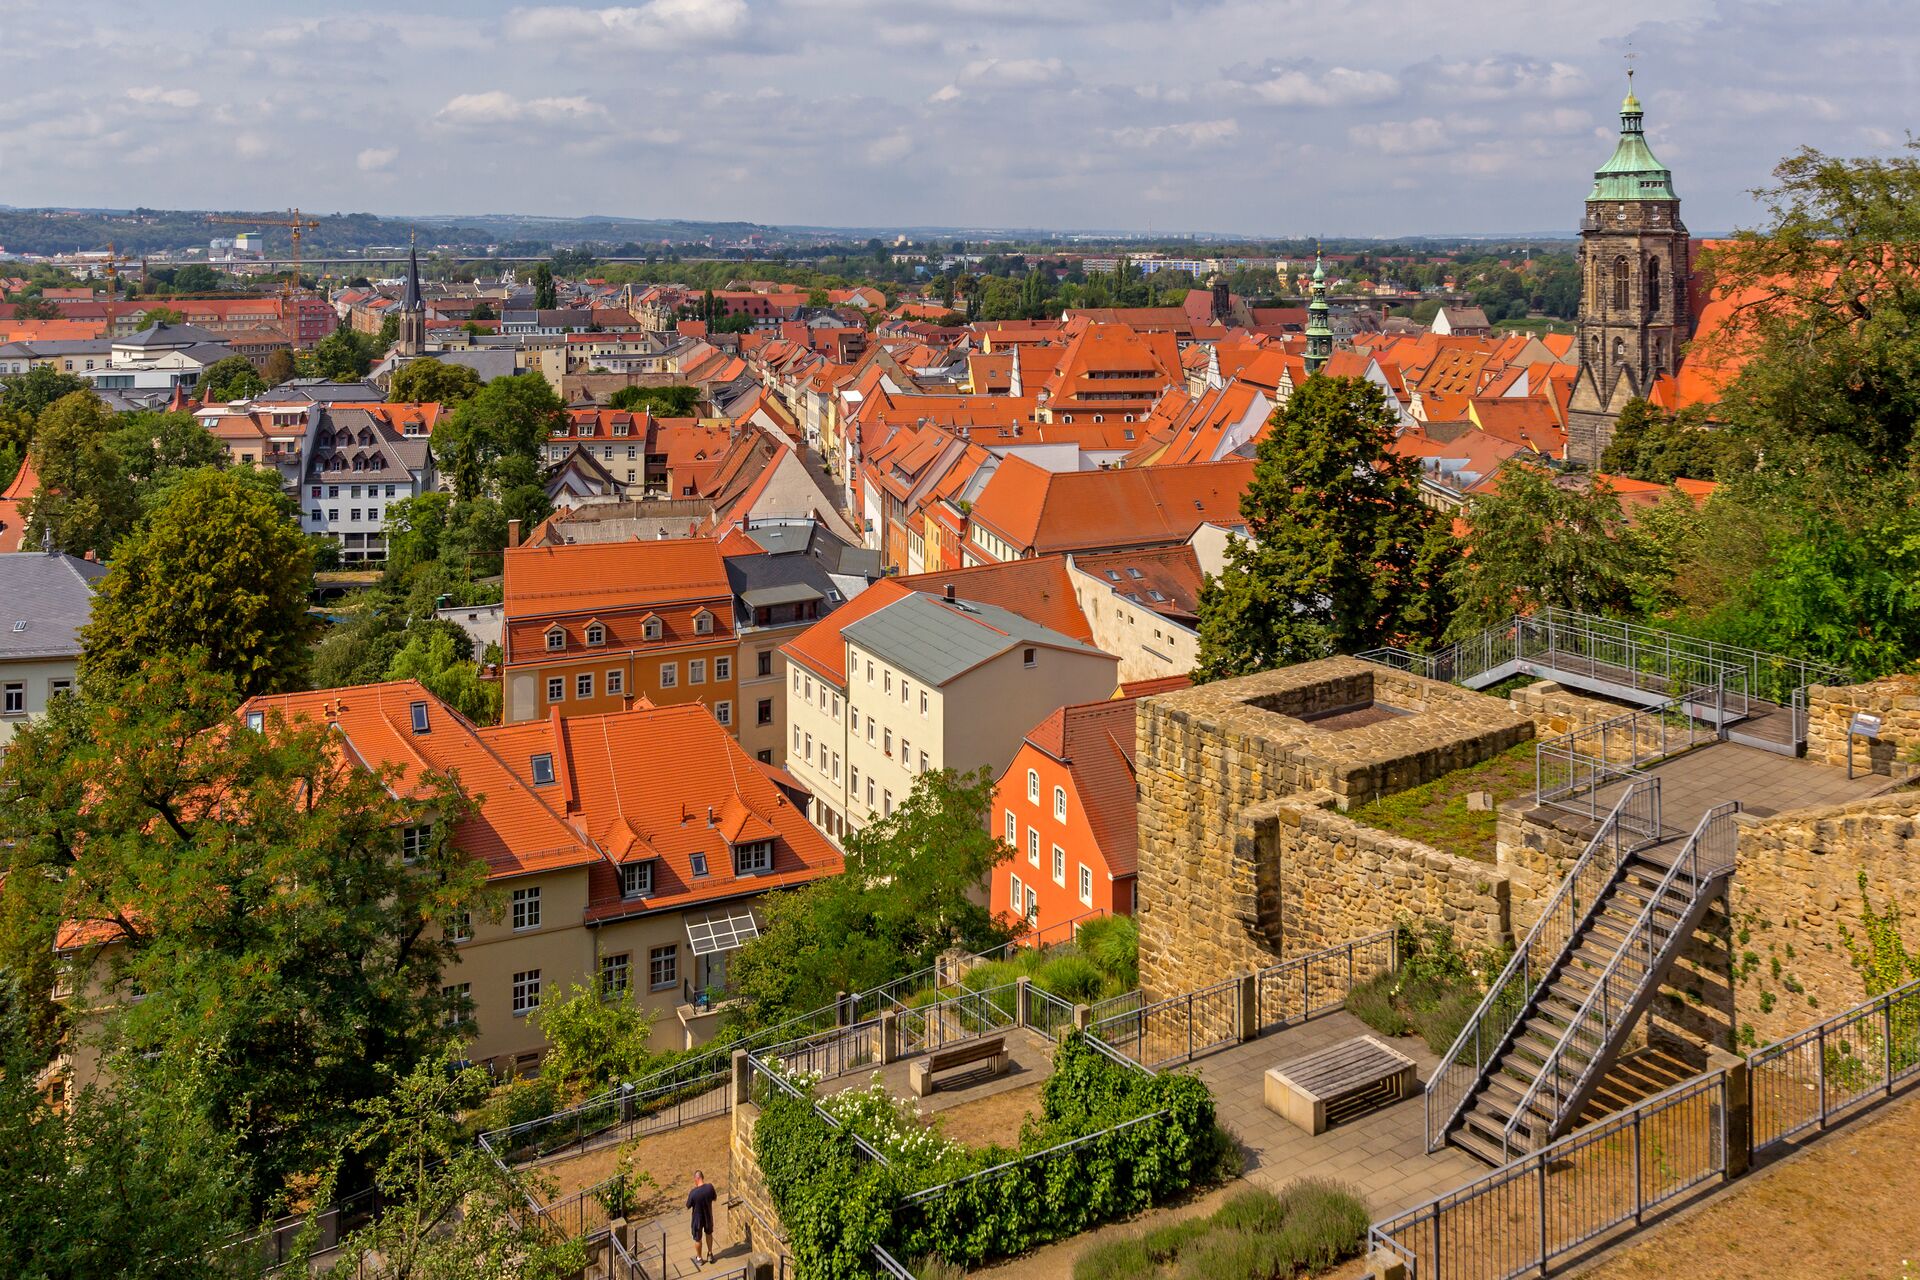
895,1127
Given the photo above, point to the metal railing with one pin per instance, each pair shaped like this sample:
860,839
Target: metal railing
890,1266
1633,823
967,1016
1306,986
1570,1068
1176,1029
1572,769
1523,1217
829,1054
1048,1014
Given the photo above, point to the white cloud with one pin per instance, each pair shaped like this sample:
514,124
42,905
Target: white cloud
1304,86
945,93
155,96
658,24
375,159
498,107
887,150
1195,133
1015,71
1404,137
1499,77
251,146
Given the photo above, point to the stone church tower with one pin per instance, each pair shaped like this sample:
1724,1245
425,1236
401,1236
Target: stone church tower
1634,267
412,339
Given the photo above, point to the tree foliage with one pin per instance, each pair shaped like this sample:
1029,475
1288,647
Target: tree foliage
907,895
433,381
24,397
252,886
440,656
1650,445
233,378
1333,558
661,402
85,501
220,569
595,1039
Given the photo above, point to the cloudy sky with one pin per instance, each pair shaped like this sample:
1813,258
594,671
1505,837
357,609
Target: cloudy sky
1364,117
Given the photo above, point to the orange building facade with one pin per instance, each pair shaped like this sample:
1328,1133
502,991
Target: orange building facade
1066,804
592,628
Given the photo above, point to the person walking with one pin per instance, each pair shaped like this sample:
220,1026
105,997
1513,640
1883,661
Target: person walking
700,1201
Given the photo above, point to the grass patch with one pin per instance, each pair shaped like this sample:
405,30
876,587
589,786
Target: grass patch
1436,813
1310,1227
1432,994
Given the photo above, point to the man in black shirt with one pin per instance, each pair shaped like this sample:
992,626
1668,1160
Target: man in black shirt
700,1201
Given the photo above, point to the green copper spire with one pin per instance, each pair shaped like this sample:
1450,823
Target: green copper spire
1319,334
1632,173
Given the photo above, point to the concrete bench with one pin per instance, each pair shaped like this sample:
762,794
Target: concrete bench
1338,1083
991,1050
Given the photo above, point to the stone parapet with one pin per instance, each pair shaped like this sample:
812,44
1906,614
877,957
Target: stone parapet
1831,708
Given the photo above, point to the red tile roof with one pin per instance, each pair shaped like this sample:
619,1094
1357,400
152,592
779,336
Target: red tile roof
609,575
1032,508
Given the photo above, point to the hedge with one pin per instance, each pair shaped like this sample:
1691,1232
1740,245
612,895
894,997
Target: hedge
836,1204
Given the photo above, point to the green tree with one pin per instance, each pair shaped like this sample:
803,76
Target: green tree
1336,532
279,368
431,381
545,295
253,886
222,569
1536,543
452,1212
85,500
507,419
138,1186
595,1039
154,447
440,656
35,307
162,315
906,895
24,397
484,311
343,356
1660,447
663,402
233,378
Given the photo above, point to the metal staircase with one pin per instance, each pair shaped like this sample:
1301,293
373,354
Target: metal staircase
1621,918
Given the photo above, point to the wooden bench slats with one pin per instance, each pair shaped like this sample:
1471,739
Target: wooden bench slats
966,1052
1338,1082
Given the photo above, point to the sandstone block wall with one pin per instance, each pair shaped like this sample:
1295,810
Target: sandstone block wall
749,1185
1795,886
1232,878
1535,856
1895,699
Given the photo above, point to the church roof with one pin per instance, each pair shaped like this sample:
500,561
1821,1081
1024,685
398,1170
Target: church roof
1632,172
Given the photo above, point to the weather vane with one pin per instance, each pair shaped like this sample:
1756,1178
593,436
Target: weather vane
1632,56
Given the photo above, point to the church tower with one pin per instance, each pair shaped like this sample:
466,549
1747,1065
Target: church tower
1319,332
1634,267
412,340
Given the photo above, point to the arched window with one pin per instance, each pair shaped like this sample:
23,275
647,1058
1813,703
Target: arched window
1619,350
1653,286
1620,284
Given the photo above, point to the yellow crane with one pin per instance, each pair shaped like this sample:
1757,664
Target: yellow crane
293,222
112,266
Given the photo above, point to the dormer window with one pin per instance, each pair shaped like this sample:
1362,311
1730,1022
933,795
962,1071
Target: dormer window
651,629
257,721
418,712
542,765
596,634
636,879
556,639
703,623
753,858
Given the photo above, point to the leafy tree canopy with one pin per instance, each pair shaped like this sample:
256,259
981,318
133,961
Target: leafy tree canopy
1335,557
662,402
431,381
85,501
233,378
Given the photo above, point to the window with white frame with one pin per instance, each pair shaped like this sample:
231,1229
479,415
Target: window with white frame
722,668
923,704
696,671
526,992
1013,892
459,998
526,908
669,675
651,629
583,685
414,841
1033,786
616,682
1013,829
1033,847
703,623
614,973
1086,884
663,967
556,688
596,634
753,858
723,712
636,879
1060,803
1059,866
556,640
461,930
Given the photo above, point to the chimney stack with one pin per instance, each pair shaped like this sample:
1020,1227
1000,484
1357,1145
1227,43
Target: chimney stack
513,532
949,592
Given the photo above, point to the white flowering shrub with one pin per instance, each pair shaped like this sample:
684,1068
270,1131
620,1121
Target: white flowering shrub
895,1127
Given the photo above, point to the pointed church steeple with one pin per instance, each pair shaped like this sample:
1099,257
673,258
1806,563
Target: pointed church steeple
1319,332
412,340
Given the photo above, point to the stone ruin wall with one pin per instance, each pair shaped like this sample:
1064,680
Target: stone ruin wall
1245,859
1895,699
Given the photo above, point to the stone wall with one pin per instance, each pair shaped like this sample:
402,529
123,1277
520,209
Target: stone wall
1534,855
749,1185
1895,699
1556,710
1796,884
1232,878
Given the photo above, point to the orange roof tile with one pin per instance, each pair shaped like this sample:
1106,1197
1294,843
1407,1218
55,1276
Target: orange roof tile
541,581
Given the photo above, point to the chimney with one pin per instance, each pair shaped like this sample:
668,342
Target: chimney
709,815
513,532
949,592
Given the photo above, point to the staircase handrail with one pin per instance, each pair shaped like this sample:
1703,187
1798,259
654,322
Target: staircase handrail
1599,1007
1521,964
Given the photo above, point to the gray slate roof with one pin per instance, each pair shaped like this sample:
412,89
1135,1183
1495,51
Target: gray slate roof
768,580
51,595
937,640
167,336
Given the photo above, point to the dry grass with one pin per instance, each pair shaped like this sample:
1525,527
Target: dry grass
1847,1208
992,1119
1437,812
669,1158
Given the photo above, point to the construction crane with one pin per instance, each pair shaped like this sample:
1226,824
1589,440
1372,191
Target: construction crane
293,222
112,267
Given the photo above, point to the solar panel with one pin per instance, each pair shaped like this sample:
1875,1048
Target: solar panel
721,931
